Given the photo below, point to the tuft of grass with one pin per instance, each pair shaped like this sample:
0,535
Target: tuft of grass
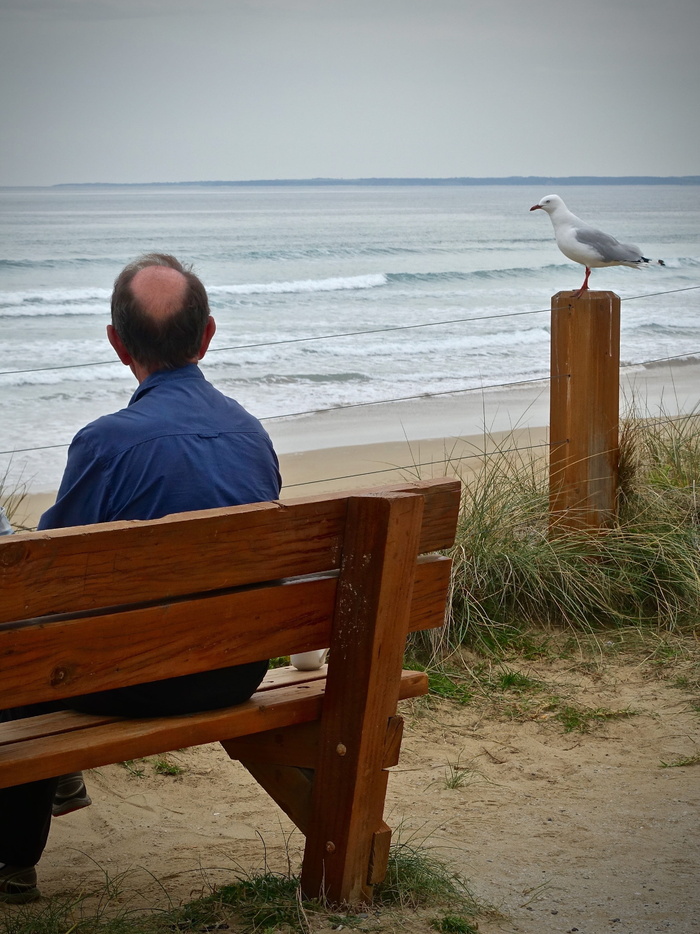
458,776
581,719
509,694
136,771
267,901
449,687
416,878
682,762
12,497
455,924
102,910
510,680
475,680
163,766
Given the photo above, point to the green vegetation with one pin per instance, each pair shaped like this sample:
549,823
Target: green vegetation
11,498
162,765
459,776
260,903
513,579
508,694
416,878
580,719
683,761
523,592
455,924
136,771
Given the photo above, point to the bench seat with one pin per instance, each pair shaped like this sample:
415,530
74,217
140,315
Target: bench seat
69,741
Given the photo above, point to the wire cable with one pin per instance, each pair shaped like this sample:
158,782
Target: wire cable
448,460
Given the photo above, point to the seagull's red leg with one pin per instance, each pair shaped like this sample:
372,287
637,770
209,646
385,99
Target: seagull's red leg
584,287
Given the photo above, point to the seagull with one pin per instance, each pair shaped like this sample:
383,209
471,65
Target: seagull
586,245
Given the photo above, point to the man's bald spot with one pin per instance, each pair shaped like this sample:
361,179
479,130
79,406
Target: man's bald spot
159,291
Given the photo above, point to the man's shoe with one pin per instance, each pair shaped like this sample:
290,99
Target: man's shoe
18,884
71,794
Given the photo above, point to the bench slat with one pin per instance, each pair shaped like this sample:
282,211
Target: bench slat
89,742
95,653
131,562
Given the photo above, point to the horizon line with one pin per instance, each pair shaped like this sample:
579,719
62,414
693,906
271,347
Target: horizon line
397,180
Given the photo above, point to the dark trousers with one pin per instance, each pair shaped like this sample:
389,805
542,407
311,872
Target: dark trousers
25,810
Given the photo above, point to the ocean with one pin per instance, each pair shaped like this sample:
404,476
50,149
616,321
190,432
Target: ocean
323,296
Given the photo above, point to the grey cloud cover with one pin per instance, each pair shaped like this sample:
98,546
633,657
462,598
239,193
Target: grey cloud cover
172,90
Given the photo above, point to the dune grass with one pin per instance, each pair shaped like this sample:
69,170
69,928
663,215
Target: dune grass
11,495
511,577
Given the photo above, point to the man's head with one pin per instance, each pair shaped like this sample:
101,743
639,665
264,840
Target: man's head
160,315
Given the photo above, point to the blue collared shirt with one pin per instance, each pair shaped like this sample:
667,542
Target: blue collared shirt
179,445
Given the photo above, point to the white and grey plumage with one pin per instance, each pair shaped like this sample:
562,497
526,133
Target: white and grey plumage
585,244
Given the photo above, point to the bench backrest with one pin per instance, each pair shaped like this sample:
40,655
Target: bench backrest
90,608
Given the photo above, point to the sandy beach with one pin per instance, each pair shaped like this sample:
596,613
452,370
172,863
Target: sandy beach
558,831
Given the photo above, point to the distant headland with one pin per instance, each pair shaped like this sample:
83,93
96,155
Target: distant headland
321,182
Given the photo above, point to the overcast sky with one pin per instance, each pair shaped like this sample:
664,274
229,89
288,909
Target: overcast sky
176,90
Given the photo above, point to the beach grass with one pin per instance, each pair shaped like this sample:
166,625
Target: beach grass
11,495
512,579
417,881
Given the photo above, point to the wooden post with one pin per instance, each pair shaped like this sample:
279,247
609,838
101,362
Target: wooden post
584,409
347,841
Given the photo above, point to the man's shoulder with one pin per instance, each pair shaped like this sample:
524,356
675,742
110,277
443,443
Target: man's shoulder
105,433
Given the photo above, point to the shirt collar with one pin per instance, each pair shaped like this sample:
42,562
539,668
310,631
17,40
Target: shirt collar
189,371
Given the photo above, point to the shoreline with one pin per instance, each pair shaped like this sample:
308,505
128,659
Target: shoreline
375,445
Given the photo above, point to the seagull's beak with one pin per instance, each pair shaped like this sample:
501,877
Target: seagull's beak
537,207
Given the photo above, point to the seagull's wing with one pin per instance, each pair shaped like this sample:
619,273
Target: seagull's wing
608,248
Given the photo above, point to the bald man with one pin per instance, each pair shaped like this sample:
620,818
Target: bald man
179,445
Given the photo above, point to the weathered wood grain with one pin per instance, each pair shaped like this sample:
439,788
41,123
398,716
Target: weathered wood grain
371,622
584,409
60,659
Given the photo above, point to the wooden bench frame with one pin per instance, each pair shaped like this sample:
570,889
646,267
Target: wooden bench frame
88,609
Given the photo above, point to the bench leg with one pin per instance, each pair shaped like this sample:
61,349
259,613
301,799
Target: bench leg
347,840
289,786
283,762
379,856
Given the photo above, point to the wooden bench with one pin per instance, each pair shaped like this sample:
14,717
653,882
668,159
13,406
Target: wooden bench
97,607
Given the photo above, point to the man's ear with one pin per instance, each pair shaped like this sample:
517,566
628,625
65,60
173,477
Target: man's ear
116,342
209,332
